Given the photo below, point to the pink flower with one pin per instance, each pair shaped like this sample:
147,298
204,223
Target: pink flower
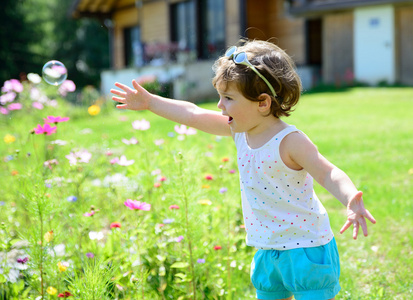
89,214
55,120
141,124
37,105
135,204
174,207
114,160
209,177
182,129
66,86
115,225
12,84
162,178
157,184
45,129
217,247
179,239
15,106
9,97
4,111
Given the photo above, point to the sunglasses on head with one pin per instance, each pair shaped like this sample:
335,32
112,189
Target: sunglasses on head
240,58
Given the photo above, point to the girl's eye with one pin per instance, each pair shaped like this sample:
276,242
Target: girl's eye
228,98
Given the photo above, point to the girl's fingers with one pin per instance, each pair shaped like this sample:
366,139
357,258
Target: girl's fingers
363,224
345,227
356,227
370,217
119,93
121,106
117,99
123,87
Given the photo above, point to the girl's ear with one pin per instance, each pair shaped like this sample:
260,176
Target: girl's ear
265,103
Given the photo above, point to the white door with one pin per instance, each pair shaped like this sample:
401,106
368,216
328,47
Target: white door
374,44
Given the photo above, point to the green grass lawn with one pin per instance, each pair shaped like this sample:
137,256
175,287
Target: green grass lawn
367,132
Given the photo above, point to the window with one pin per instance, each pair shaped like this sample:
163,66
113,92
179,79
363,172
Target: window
133,47
183,25
199,26
212,15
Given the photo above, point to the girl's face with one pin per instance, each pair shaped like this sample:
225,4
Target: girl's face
243,114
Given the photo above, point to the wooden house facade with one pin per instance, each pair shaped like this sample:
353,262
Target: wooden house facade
330,41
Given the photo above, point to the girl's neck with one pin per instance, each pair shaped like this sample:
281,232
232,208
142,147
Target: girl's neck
261,134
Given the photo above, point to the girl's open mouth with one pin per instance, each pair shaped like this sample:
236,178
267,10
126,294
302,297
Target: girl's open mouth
230,120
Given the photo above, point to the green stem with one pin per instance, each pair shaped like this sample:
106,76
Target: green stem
188,231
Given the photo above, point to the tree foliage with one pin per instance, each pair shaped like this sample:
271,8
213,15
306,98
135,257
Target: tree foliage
33,32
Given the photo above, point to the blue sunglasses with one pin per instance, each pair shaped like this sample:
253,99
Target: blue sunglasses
241,59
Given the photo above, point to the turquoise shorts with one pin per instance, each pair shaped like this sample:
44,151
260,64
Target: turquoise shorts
307,273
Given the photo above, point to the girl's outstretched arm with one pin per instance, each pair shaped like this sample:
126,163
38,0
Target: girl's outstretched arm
182,112
305,154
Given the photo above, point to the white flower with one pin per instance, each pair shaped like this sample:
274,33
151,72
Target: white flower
141,124
34,78
93,235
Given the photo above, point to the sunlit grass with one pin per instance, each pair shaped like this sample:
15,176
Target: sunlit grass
367,132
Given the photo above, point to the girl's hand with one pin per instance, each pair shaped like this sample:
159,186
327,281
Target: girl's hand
134,99
356,215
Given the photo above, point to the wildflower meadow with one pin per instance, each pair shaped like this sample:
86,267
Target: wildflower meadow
99,203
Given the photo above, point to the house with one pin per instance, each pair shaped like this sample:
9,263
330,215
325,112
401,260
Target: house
330,40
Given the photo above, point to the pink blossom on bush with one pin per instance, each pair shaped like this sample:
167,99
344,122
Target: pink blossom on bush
67,86
182,129
8,97
12,85
4,111
15,106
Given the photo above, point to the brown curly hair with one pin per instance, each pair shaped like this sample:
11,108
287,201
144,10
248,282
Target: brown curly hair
274,64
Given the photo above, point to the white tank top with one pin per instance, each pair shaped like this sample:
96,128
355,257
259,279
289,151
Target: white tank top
280,209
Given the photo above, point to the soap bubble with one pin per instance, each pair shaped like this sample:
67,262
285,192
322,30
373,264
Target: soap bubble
54,72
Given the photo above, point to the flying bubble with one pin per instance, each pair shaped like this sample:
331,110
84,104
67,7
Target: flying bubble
54,72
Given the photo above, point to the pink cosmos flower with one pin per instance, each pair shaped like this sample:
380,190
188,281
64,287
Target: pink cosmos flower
15,106
37,105
141,124
174,207
217,247
182,129
135,204
55,120
4,111
45,129
12,84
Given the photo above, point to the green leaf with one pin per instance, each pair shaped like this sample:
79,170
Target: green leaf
180,264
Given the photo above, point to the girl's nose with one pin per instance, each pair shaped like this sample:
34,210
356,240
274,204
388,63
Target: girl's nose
219,105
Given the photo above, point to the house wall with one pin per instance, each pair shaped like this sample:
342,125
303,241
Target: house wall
337,47
374,44
268,20
155,22
122,19
289,32
233,22
404,43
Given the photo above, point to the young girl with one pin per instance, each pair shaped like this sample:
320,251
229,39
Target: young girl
257,84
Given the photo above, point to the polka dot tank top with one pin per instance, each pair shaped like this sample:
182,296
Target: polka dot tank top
280,209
